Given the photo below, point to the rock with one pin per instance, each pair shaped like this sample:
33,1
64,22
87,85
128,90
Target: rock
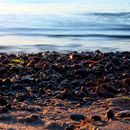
71,127
66,93
6,81
97,51
52,125
31,63
22,97
110,66
7,118
102,91
5,61
80,94
74,56
68,128
29,119
3,101
77,117
11,129
3,109
96,118
126,81
81,72
46,66
8,106
125,75
16,86
110,114
123,114
88,101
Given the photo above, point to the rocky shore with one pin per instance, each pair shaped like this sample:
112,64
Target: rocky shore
70,91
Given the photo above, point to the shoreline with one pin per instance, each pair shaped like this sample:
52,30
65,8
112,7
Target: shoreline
65,91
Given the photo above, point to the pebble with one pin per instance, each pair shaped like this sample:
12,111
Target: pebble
3,101
69,128
127,81
123,114
110,115
77,117
75,75
102,91
96,118
3,109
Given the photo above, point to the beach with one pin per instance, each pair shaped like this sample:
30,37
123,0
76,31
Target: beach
65,91
65,65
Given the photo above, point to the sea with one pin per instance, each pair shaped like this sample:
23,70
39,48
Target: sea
64,25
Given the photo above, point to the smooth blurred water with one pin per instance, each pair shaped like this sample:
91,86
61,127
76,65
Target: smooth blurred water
31,26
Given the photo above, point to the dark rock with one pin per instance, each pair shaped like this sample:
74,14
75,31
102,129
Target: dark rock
88,101
125,75
17,86
110,115
74,56
96,118
3,101
102,91
123,114
22,97
9,106
77,117
66,93
81,72
71,127
80,94
126,81
97,51
110,66
11,129
3,109
7,118
6,81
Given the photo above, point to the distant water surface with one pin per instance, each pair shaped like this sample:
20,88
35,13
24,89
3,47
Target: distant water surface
37,25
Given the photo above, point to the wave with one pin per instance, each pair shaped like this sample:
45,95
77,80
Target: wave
107,14
52,45
113,36
87,27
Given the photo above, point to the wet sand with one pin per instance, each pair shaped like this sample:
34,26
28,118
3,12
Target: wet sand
71,91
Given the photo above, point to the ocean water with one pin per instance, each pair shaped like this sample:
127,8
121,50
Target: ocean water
64,25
